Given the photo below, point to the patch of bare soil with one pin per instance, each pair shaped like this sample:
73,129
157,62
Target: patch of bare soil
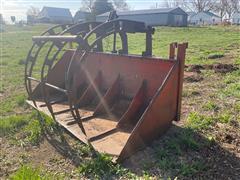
224,68
215,56
224,156
194,68
217,68
192,77
51,155
229,136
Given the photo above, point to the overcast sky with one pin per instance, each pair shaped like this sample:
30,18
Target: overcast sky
18,8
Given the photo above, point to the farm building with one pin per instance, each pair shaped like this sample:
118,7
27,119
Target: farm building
81,16
205,18
1,19
236,18
55,15
153,17
190,15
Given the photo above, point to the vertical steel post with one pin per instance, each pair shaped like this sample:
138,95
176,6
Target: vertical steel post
181,61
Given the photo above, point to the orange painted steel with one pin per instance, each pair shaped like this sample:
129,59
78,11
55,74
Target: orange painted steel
125,101
115,102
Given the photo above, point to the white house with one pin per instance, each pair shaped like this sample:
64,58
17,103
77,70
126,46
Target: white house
205,18
236,18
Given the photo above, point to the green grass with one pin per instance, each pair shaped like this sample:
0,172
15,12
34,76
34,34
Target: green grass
27,125
232,85
102,167
198,121
30,173
11,124
211,106
192,168
237,61
11,103
168,157
33,130
203,42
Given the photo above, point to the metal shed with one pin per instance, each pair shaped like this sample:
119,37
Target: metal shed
236,18
55,15
190,15
81,16
152,17
205,18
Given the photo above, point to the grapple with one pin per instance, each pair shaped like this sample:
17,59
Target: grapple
116,102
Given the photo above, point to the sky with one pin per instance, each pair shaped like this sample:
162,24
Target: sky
19,8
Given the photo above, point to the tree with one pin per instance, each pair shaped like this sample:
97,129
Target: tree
87,5
172,3
32,14
184,4
202,5
120,5
33,11
13,19
1,19
101,6
236,5
220,8
231,7
157,5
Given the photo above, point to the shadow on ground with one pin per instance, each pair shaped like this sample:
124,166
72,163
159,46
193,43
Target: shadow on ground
184,153
59,139
181,153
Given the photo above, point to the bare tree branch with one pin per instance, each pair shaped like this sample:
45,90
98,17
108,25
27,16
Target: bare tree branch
87,5
33,11
120,5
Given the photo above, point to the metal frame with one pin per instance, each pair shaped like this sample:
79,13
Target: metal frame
32,58
150,98
106,29
80,33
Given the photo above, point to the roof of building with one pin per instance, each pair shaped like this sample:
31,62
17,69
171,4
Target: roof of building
204,12
191,13
210,14
146,11
236,15
81,14
55,12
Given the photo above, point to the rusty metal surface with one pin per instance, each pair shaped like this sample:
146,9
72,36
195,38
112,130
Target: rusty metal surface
116,102
151,84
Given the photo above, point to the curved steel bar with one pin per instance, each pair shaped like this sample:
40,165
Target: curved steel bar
80,30
33,58
70,88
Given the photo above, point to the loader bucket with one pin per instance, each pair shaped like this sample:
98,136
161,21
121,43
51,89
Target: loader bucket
116,102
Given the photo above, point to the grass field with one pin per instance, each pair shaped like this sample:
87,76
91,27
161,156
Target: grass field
204,144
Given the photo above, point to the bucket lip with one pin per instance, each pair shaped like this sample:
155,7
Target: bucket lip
149,58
